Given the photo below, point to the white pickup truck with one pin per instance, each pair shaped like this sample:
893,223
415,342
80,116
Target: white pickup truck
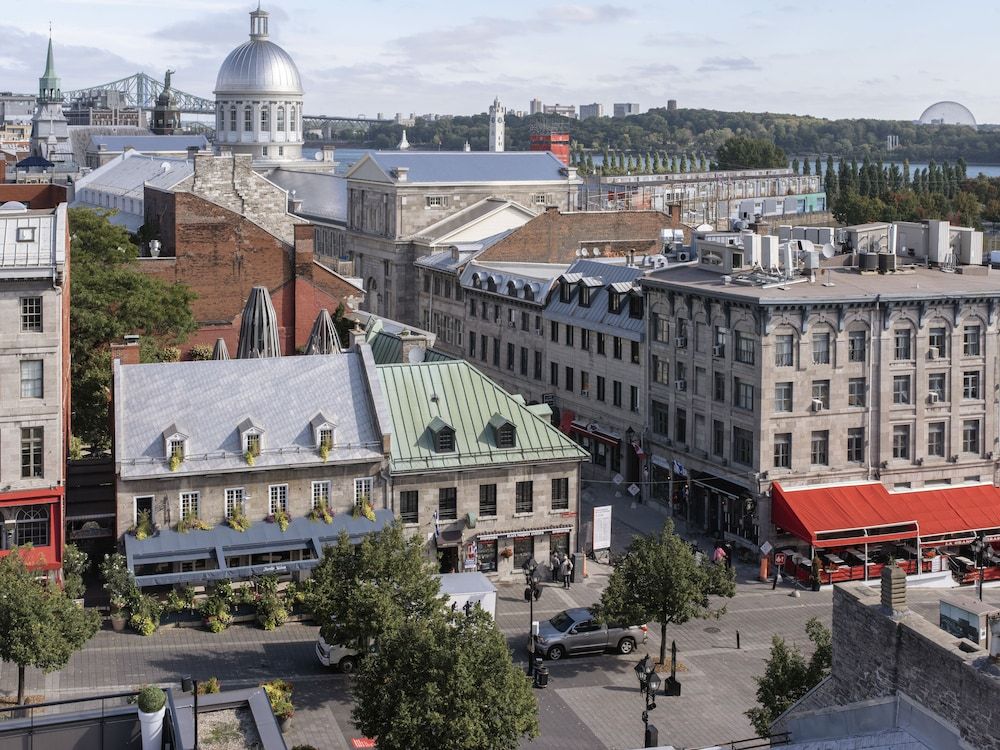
460,588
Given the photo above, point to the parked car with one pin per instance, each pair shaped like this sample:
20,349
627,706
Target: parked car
577,631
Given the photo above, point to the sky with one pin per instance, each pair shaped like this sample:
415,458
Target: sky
885,59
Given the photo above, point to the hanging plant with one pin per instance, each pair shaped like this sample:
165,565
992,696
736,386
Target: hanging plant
324,451
250,458
322,513
175,462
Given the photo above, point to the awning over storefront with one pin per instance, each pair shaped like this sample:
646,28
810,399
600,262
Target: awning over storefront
221,542
838,515
524,532
722,486
595,432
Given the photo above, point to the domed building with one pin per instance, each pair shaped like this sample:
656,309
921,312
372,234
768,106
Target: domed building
258,99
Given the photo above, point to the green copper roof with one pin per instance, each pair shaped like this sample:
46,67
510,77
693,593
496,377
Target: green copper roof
49,80
456,393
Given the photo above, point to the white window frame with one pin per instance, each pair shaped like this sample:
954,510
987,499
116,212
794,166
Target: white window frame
170,446
230,497
363,486
38,381
323,493
277,492
260,441
187,497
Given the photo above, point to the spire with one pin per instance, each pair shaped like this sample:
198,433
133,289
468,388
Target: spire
259,327
48,84
403,143
258,24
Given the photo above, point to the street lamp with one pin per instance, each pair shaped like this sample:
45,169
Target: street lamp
978,546
649,683
531,593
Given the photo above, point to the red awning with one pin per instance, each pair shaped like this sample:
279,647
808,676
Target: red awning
857,513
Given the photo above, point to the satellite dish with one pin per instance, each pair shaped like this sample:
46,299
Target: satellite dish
416,355
583,252
318,156
828,250
577,253
597,252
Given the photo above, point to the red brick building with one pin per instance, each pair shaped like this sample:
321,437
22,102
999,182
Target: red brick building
226,230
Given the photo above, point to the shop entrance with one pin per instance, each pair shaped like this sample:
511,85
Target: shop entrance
449,559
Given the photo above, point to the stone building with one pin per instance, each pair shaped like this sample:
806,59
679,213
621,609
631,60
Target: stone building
34,373
393,197
226,229
761,372
487,480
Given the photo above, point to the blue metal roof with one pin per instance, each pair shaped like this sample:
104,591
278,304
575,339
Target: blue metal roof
597,317
451,167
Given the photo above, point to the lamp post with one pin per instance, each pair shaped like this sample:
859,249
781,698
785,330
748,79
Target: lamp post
531,593
649,683
978,546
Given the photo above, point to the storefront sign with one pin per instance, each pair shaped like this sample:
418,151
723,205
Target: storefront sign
362,742
602,527
471,556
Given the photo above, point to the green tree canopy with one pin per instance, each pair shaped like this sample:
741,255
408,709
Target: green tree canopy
361,592
39,625
788,676
660,579
743,152
444,681
111,297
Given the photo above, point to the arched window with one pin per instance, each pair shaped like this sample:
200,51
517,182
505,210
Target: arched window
221,119
281,119
247,119
232,118
32,526
291,119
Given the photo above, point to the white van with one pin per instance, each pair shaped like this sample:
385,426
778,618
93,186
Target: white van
460,588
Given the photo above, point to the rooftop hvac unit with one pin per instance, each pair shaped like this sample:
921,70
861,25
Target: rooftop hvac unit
868,262
886,262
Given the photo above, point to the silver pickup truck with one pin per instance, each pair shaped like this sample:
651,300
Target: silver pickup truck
577,631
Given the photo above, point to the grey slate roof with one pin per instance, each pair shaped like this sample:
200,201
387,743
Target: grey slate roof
147,143
323,194
210,398
452,167
458,220
129,175
46,251
597,317
444,260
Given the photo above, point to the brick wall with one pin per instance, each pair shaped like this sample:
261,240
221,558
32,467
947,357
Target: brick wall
35,196
875,655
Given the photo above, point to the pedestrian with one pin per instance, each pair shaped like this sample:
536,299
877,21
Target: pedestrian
567,571
719,556
554,565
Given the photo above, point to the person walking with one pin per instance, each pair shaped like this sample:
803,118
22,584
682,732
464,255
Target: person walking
554,566
567,571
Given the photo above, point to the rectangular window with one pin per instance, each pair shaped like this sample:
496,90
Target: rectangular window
783,450
616,346
971,385
970,341
616,393
554,332
447,504
935,439
189,504
320,494
553,374
856,346
742,446
633,398
659,417
524,362
584,383
680,425
524,550
569,335
937,386
745,351
661,329
585,339
783,396
31,378
819,448
600,388
937,342
901,347
970,436
569,379
409,509
821,348
235,501
901,389
524,501
487,500
856,392
719,342
901,441
560,493
635,306
718,438
601,338
784,351
821,392
472,344
362,490
743,393
524,320
661,370
437,201
856,444
253,444
634,346
482,346
277,498
31,452
31,314
510,357
538,366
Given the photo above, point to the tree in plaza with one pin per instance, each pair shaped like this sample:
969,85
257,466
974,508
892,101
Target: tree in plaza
111,297
806,169
819,167
743,152
39,625
360,592
788,676
830,182
446,680
660,579
795,166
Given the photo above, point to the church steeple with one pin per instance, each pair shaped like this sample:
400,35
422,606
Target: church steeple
49,84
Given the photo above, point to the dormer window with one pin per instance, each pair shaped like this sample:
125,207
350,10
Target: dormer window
174,444
251,443
614,302
442,436
504,431
565,291
584,296
325,438
175,449
322,432
251,437
635,306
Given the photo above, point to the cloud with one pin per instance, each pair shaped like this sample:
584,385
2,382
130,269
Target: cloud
670,40
712,64
222,29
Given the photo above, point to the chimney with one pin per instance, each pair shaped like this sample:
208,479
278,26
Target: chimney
305,244
401,173
127,352
893,590
414,347
357,335
328,153
454,253
295,205
192,152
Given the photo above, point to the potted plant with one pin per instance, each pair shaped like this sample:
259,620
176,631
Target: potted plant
191,522
121,587
146,613
250,457
324,451
271,611
143,528
279,517
152,707
507,552
321,512
180,599
209,686
238,521
279,693
363,508
216,609
175,461
75,565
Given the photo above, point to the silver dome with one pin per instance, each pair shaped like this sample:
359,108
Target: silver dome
258,66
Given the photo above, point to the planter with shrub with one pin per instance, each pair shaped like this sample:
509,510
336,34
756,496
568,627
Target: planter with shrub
152,707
